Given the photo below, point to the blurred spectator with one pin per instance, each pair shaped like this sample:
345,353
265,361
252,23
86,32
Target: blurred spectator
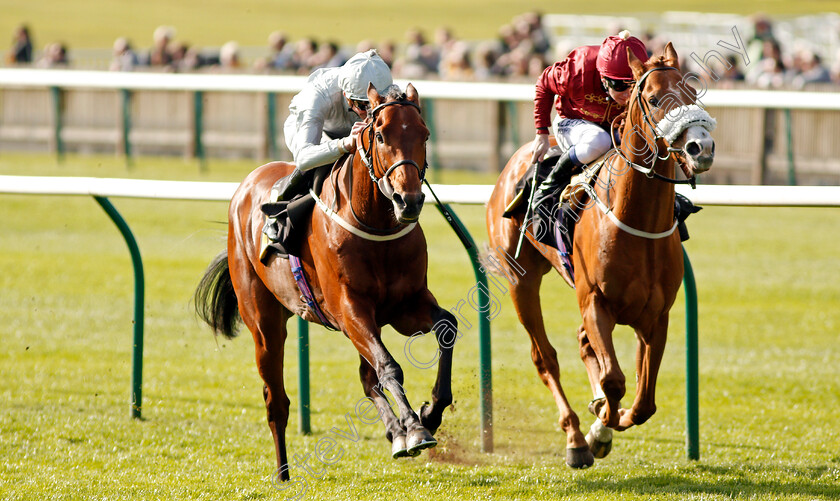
55,56
419,58
444,43
733,73
159,54
193,60
281,52
770,70
328,55
810,70
229,59
387,51
305,48
536,32
455,62
124,58
484,59
21,52
762,32
177,54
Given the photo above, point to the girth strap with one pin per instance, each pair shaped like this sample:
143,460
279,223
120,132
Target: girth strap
306,292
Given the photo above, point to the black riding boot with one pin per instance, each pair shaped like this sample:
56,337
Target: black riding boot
546,194
286,187
559,175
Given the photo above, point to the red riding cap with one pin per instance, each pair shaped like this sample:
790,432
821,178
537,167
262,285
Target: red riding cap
612,57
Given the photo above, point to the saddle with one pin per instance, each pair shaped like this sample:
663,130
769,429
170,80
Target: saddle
286,221
557,231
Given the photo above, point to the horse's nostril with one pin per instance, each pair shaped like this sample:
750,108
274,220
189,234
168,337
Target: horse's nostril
398,199
693,148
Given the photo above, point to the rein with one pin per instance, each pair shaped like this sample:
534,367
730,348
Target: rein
385,187
657,129
667,132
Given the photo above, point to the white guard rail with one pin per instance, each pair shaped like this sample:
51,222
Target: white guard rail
82,79
767,196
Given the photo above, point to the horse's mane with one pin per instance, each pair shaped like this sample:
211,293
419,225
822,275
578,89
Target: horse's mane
394,93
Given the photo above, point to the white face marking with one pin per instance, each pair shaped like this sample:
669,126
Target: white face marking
405,126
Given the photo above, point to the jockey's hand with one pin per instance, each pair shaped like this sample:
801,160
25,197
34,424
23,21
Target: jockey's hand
350,141
540,147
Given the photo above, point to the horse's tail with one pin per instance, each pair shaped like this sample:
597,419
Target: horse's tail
215,300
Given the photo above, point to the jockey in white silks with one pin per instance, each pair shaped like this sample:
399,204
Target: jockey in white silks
327,114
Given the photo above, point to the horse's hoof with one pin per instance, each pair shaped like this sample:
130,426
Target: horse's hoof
419,439
599,449
595,405
599,439
398,448
579,457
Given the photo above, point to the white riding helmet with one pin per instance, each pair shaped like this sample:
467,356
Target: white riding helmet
362,69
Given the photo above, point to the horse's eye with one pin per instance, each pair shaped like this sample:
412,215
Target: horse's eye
379,138
654,101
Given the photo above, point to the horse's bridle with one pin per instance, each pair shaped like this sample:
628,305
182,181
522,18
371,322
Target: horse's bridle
370,159
644,106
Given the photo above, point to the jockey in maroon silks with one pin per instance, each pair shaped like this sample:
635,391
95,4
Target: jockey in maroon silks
592,86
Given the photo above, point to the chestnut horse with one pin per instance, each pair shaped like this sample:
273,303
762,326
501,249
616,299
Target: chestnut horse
366,260
628,262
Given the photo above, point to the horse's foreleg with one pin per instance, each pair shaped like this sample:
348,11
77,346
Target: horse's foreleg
394,431
598,324
428,317
599,437
365,336
649,351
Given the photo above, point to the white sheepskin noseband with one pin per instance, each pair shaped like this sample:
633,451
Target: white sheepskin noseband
681,118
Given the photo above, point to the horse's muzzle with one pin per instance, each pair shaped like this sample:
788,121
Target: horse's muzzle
407,206
699,150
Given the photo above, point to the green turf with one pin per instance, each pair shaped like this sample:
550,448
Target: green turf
210,23
769,367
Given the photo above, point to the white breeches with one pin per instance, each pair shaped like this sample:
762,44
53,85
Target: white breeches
588,140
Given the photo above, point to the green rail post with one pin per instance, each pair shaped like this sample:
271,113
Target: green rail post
139,288
692,377
789,134
485,366
125,101
428,112
271,129
198,128
513,123
58,121
303,375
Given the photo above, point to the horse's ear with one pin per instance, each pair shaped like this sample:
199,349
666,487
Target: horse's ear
636,65
411,94
670,55
373,95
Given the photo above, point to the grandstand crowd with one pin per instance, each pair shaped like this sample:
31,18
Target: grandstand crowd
520,52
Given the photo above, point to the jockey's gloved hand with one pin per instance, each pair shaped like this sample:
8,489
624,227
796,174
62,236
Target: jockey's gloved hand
349,142
540,148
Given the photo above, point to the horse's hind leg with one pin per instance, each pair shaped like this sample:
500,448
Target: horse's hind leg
266,318
394,431
525,294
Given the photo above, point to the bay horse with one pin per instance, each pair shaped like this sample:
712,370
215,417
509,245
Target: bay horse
627,258
366,260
